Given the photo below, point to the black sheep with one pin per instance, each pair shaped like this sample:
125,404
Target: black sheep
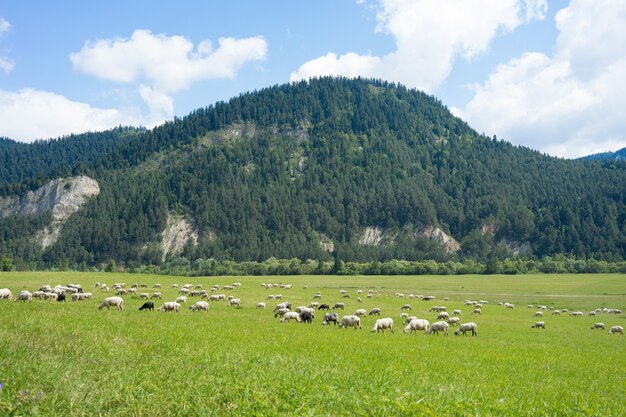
324,307
148,305
61,297
307,316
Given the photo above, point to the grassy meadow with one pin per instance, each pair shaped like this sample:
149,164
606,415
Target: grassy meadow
60,359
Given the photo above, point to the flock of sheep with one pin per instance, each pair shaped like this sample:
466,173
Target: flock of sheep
300,314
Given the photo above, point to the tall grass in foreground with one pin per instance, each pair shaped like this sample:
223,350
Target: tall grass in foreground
71,359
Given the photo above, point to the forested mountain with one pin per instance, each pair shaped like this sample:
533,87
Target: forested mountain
607,156
365,169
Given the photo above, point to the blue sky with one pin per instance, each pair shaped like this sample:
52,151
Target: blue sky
539,73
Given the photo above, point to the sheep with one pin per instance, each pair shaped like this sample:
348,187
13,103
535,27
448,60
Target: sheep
456,312
538,314
538,325
375,310
591,313
291,315
443,316
307,316
556,313
109,302
576,314
182,299
351,321
339,306
359,300
598,326
143,296
331,317
466,327
317,296
477,311
360,312
200,305
260,305
406,307
382,324
324,307
5,294
120,291
452,321
438,326
235,302
509,305
148,305
616,329
60,297
409,319
415,325
404,315
169,306
281,312
24,296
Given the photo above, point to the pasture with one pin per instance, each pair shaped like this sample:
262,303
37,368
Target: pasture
60,359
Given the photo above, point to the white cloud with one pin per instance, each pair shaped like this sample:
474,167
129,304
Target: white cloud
161,105
5,26
30,114
429,35
569,104
163,64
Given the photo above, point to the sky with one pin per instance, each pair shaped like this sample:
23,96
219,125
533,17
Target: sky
546,74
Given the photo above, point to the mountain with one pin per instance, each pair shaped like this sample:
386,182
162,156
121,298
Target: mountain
365,169
607,156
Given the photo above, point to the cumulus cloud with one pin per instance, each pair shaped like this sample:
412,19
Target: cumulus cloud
6,64
429,35
571,103
30,114
164,64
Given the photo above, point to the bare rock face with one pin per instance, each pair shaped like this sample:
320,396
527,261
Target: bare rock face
445,240
63,197
327,244
371,236
177,233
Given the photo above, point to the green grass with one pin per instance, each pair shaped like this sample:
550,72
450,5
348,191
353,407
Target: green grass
72,359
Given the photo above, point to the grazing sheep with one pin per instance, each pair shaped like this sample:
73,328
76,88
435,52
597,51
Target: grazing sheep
144,296
456,312
324,307
5,294
576,314
182,299
200,305
454,321
156,295
148,305
598,326
60,297
109,302
281,312
538,314
382,324
616,329
339,306
331,317
24,296
556,313
404,315
438,326
260,305
477,311
415,325
375,310
351,321
360,312
307,316
591,313
406,307
443,316
170,306
234,302
538,325
359,300
291,315
467,327
409,319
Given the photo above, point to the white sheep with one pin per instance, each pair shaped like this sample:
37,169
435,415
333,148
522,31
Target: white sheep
454,321
538,314
169,306
200,305
539,324
616,329
409,319
415,325
443,316
290,315
406,307
360,312
234,302
260,305
438,326
351,321
576,314
144,296
404,315
556,313
477,311
598,326
5,294
182,299
456,312
467,327
24,296
156,295
109,302
375,310
339,306
281,312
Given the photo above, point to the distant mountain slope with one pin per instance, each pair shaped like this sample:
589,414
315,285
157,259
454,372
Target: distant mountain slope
368,169
607,156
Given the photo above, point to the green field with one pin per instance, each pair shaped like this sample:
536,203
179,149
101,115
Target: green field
60,359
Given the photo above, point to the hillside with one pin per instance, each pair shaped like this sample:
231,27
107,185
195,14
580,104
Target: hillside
619,155
363,168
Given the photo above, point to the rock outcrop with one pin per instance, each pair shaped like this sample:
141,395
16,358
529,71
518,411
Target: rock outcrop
63,197
177,233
